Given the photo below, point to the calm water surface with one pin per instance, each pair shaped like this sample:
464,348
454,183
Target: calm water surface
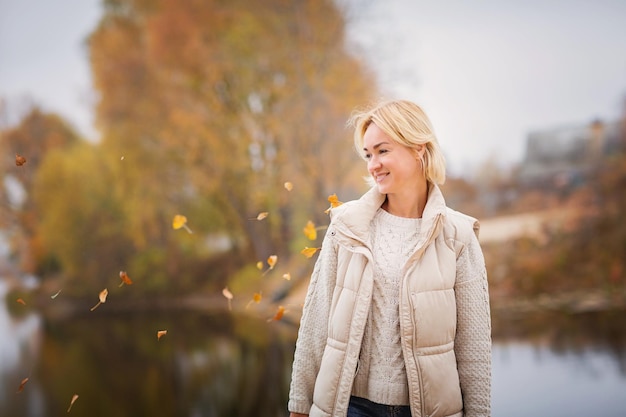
224,365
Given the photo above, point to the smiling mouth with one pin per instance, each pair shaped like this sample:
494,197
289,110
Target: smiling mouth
380,177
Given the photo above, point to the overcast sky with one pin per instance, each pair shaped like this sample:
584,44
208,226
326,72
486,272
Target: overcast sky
487,72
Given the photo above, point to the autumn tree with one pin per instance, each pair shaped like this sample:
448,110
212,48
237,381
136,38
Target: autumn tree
31,139
210,106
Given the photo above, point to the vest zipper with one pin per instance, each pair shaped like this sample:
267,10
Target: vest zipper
416,257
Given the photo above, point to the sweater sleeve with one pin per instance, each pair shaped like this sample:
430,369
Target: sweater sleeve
473,335
313,330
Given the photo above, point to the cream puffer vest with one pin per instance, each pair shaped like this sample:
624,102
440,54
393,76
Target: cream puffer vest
427,286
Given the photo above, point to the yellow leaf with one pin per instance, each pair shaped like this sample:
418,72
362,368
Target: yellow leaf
125,278
262,215
271,261
161,333
334,202
288,186
180,222
287,276
309,252
102,297
309,231
259,265
74,398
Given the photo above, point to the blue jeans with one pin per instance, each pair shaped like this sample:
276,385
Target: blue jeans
360,407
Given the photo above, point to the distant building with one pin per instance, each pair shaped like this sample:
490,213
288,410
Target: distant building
564,157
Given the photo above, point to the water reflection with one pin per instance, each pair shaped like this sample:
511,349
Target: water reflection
19,349
547,364
216,365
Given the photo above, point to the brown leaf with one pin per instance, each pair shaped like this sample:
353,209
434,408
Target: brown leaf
21,388
19,160
125,278
229,296
74,398
279,314
102,297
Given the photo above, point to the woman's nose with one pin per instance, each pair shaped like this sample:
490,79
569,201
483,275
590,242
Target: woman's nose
373,163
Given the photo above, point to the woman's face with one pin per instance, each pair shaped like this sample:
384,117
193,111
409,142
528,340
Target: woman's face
394,167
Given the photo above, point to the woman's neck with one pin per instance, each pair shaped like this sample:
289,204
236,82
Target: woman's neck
409,204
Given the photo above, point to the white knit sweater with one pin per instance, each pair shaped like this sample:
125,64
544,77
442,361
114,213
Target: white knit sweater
381,376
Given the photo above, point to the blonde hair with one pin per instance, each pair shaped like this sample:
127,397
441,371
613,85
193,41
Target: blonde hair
405,123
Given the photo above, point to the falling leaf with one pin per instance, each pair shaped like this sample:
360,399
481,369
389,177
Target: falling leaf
103,298
271,261
262,215
55,295
229,296
287,276
19,160
334,202
288,186
122,158
256,298
21,388
125,278
309,252
161,333
279,314
22,302
259,265
180,222
310,231
74,398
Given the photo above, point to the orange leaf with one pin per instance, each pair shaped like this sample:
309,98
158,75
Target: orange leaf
103,298
271,261
287,276
161,333
125,278
22,302
74,398
256,298
309,231
19,160
309,252
288,186
279,314
334,202
180,222
21,388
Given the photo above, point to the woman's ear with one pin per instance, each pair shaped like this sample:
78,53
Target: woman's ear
419,151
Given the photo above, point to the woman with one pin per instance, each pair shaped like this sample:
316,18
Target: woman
396,319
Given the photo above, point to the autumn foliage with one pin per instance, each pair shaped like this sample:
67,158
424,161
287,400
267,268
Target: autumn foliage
211,111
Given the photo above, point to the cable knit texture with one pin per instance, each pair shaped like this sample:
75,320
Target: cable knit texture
381,375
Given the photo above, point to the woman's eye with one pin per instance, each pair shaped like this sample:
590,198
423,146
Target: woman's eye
367,156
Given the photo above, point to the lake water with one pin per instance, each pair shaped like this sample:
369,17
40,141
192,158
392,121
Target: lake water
224,365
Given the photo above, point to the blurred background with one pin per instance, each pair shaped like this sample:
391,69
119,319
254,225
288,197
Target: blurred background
118,115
